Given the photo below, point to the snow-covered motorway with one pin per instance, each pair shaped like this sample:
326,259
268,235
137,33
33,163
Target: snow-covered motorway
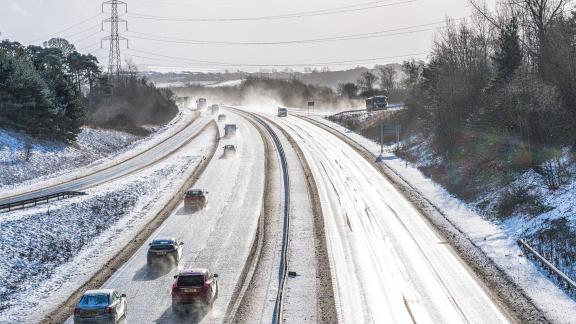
106,174
218,237
388,263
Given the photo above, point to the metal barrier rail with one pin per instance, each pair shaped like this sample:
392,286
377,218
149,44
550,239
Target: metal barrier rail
286,228
349,112
390,107
547,264
21,204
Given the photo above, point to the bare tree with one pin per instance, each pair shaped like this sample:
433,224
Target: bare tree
367,81
387,76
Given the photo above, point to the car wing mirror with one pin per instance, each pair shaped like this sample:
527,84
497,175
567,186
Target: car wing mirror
181,243
215,275
123,295
176,277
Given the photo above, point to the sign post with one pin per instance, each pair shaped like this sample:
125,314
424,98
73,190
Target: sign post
310,105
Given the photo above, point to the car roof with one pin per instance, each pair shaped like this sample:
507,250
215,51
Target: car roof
195,271
99,292
164,240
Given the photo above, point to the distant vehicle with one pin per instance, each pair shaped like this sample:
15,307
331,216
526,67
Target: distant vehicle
195,287
229,149
282,112
221,117
201,103
214,109
164,249
195,199
230,129
376,103
101,306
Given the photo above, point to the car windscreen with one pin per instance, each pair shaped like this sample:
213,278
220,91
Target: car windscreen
94,300
380,99
195,193
191,281
162,247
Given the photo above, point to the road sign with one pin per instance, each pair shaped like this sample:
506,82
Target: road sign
310,105
390,129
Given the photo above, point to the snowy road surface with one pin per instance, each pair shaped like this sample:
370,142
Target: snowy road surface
153,155
388,263
218,237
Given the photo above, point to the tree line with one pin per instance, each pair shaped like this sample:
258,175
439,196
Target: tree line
51,91
502,80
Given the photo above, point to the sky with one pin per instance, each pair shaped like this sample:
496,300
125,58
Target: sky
214,35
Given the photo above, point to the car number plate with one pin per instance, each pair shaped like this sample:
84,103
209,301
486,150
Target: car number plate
190,290
90,313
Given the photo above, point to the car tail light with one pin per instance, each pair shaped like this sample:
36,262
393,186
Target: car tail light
77,311
174,287
108,310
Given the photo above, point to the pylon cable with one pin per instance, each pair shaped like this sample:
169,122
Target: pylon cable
285,16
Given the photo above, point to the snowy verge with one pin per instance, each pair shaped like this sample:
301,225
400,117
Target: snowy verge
96,149
489,237
50,251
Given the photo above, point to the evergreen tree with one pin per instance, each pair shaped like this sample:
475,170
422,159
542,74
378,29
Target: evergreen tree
508,55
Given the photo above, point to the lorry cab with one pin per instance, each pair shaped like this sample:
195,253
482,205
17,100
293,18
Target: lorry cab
201,103
376,103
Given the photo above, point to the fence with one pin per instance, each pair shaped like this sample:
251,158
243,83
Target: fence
562,277
20,204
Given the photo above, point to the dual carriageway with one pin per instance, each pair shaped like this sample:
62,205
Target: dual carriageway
300,228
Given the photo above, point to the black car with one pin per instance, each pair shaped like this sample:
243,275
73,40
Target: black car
164,250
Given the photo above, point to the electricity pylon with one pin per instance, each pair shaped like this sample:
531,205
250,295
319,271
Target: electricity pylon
114,60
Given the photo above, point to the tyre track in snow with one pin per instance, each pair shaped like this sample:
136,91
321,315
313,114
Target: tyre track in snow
396,263
65,310
500,286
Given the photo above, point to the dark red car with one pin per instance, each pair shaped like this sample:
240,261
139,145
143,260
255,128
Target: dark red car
195,199
196,287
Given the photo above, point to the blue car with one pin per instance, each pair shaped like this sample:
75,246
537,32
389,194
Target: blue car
101,306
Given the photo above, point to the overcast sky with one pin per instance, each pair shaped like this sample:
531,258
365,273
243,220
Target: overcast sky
29,21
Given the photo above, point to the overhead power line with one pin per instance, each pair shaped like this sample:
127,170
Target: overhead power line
91,28
329,11
65,29
376,34
168,3
235,64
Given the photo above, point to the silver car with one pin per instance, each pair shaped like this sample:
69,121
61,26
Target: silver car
101,306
